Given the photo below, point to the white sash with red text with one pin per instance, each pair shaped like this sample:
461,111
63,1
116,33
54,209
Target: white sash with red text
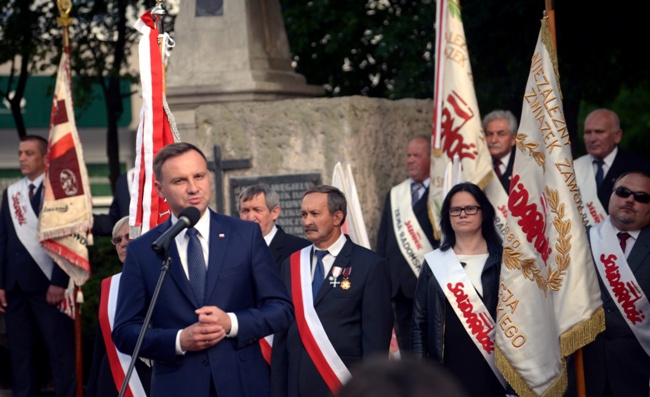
317,343
26,223
586,181
119,362
466,302
620,281
411,239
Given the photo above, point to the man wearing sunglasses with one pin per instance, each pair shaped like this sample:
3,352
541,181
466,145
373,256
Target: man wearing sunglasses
617,363
597,170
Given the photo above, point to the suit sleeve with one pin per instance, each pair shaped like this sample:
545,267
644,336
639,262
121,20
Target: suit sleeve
384,224
419,329
4,218
273,310
132,306
279,355
103,223
377,312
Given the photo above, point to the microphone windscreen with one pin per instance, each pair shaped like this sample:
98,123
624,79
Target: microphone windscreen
192,214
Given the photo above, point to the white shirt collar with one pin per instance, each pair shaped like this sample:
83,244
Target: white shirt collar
202,226
506,159
609,159
425,182
269,237
36,182
335,248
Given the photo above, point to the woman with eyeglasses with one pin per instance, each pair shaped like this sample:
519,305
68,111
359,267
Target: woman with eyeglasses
109,367
456,296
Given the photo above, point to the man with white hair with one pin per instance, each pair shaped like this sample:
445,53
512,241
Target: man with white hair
500,127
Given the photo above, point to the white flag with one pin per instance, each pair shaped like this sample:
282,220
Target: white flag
354,224
549,299
456,119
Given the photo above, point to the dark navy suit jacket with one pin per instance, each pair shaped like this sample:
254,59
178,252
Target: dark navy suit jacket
616,356
242,279
507,175
17,267
623,162
357,321
283,245
387,246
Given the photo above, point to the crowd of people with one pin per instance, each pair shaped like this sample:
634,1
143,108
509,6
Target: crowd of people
249,310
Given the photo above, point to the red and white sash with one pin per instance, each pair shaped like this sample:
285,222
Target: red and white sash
466,302
119,362
586,182
317,343
266,345
411,239
26,223
620,281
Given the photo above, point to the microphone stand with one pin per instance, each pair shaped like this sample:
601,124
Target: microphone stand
164,253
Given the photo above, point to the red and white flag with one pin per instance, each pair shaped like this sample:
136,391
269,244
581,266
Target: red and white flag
549,299
456,119
156,129
66,215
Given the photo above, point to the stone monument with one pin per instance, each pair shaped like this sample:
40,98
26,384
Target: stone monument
230,51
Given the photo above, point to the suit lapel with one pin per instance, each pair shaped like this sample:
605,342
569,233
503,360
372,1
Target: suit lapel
176,271
36,201
277,244
342,260
219,238
421,205
640,250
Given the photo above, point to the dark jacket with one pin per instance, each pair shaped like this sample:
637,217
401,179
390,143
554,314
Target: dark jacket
427,337
284,244
401,274
623,162
507,175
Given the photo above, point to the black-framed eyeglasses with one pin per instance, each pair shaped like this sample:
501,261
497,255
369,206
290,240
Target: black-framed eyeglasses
624,192
117,240
469,210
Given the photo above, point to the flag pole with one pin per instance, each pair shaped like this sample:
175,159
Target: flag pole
550,13
158,13
579,362
65,6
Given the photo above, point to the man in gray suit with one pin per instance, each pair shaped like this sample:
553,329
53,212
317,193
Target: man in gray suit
617,363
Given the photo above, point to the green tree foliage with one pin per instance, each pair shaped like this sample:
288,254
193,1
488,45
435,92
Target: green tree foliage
385,48
27,32
101,40
372,48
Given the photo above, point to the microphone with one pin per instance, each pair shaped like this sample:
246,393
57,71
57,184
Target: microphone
186,219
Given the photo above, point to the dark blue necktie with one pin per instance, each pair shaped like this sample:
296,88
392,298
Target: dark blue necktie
599,172
415,192
196,265
319,273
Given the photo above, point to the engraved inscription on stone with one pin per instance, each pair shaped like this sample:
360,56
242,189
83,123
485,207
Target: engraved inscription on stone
209,8
289,188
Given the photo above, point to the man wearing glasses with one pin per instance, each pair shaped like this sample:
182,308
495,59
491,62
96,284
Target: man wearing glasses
617,363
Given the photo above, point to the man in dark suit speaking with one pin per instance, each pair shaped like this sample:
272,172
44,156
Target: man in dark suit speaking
204,330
